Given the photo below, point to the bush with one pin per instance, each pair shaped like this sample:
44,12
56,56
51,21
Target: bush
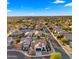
51,28
17,40
56,55
60,36
65,41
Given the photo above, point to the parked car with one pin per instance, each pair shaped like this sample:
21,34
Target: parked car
25,47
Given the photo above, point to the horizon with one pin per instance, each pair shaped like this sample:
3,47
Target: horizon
41,16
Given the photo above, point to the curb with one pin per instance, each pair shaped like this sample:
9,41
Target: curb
27,54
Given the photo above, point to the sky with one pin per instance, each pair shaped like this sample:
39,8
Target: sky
39,7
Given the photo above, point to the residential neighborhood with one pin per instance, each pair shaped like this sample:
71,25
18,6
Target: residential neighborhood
39,36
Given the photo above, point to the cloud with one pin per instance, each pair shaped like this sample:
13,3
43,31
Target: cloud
47,8
59,1
7,3
9,11
68,4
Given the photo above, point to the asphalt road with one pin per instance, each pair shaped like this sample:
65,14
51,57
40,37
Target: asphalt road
18,55
15,55
57,47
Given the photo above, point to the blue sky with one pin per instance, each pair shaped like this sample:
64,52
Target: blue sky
39,7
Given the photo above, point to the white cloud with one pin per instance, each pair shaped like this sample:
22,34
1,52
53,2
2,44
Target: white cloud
68,4
9,11
59,1
7,3
47,8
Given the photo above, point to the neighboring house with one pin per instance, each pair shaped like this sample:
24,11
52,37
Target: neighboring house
66,34
62,32
16,33
9,42
39,46
26,43
24,29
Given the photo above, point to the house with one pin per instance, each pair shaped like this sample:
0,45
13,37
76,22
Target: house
26,43
39,46
62,32
9,42
16,33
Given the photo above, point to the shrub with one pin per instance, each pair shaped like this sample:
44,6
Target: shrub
65,41
56,55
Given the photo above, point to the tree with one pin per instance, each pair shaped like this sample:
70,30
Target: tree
17,40
56,55
46,23
65,41
60,36
51,28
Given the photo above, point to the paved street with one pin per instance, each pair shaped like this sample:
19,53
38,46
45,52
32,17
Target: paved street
19,55
15,55
57,47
